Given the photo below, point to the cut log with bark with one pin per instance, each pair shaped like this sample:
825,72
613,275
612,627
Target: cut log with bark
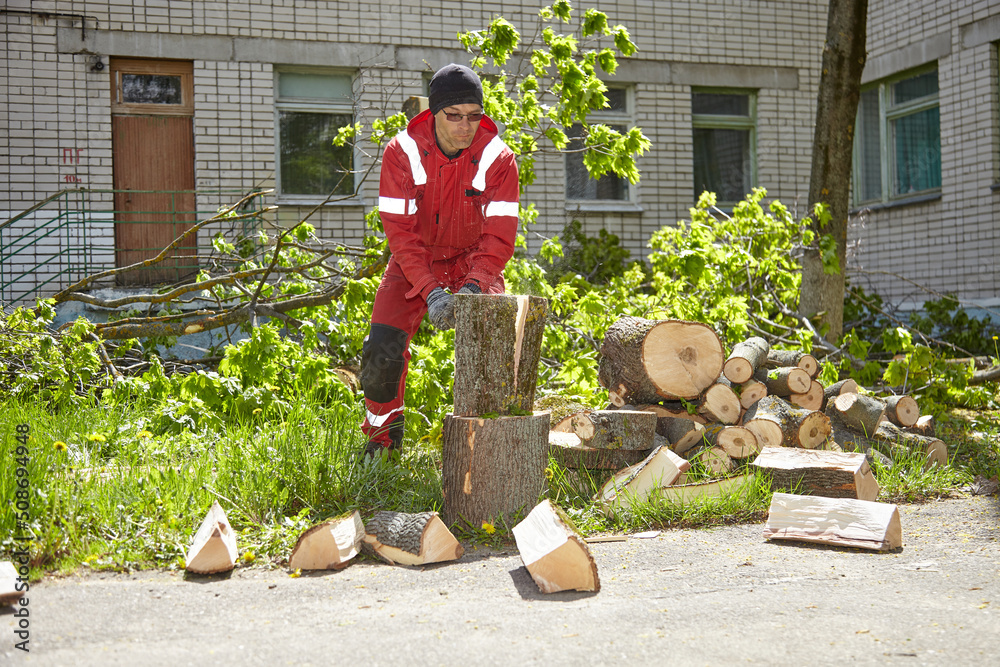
810,400
777,423
858,412
213,549
554,552
713,459
924,426
902,410
410,539
752,391
738,442
717,488
492,467
681,433
567,449
498,342
661,468
746,357
644,361
9,585
848,386
804,360
720,403
329,545
845,522
785,381
614,429
852,441
935,451
819,473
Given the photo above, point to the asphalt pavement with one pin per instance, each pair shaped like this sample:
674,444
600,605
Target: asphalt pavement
720,596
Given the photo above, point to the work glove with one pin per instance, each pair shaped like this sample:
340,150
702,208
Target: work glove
471,288
441,309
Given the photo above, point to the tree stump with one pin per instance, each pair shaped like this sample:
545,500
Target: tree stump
643,361
745,359
803,360
777,423
498,341
493,467
410,539
819,473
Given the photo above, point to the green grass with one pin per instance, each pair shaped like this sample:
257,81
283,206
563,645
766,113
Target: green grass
105,493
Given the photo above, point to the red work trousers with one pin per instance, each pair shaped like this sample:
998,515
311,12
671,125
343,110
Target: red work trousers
386,351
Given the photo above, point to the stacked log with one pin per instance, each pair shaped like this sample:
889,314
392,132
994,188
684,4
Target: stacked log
776,422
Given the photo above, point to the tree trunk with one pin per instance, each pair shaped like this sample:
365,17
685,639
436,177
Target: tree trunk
819,473
842,521
498,341
848,386
844,55
410,539
492,467
752,391
643,361
935,451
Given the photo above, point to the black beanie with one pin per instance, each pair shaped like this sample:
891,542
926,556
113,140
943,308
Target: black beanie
454,84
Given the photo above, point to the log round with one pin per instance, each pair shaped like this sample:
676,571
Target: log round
745,359
737,441
902,410
493,467
799,427
643,361
614,429
752,391
804,360
720,403
810,400
859,412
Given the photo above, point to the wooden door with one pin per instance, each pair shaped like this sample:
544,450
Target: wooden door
152,146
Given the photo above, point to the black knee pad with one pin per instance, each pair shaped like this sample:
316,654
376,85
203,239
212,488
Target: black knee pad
382,362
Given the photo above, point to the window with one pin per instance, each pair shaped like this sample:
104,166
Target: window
897,147
157,87
579,184
724,131
311,106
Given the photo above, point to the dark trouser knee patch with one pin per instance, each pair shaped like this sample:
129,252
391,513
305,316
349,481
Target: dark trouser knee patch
382,362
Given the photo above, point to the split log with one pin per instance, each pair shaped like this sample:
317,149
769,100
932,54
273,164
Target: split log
498,342
717,488
785,381
803,360
720,403
329,545
858,412
902,410
777,423
214,547
713,459
924,426
614,429
752,391
410,539
842,521
745,359
643,360
492,467
819,473
810,400
738,442
848,386
934,450
9,593
554,552
567,449
633,484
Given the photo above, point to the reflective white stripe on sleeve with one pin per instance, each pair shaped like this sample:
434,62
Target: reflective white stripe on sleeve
397,206
489,156
409,147
501,208
380,420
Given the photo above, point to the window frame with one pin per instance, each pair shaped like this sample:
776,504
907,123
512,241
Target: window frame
312,105
183,69
888,112
608,117
727,122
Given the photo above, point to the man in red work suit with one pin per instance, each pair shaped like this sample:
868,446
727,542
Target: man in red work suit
448,197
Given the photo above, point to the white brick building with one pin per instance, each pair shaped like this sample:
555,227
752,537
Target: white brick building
725,90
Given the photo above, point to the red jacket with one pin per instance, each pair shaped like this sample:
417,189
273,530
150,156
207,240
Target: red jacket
434,208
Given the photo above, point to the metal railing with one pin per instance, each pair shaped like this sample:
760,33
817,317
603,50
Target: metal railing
72,234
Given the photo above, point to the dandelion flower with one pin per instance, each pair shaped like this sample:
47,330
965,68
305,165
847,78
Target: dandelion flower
59,446
994,338
297,573
144,434
96,437
257,411
489,528
249,557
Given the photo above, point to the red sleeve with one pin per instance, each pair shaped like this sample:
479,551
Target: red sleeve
496,246
398,209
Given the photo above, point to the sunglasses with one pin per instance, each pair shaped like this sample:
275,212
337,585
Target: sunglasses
473,117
